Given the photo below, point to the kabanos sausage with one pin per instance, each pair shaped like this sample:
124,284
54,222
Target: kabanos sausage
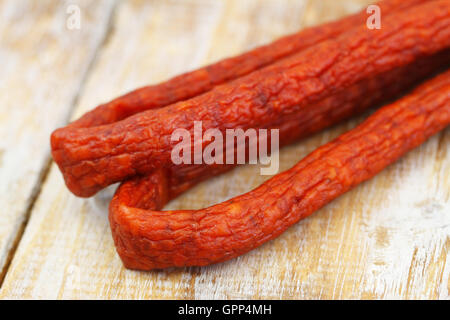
92,158
193,83
148,239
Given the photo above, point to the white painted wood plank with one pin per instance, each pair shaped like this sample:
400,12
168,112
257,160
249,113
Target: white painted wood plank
43,67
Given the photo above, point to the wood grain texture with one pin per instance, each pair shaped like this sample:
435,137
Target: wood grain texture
43,67
388,238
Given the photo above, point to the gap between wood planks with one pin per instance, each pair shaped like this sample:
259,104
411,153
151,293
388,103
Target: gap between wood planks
46,168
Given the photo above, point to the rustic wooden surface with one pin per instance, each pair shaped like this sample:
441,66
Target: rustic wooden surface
43,69
388,238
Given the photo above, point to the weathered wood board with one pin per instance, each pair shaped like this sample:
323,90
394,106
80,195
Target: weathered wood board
44,64
388,238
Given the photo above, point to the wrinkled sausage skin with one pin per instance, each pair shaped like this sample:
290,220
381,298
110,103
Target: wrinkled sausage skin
92,158
148,239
